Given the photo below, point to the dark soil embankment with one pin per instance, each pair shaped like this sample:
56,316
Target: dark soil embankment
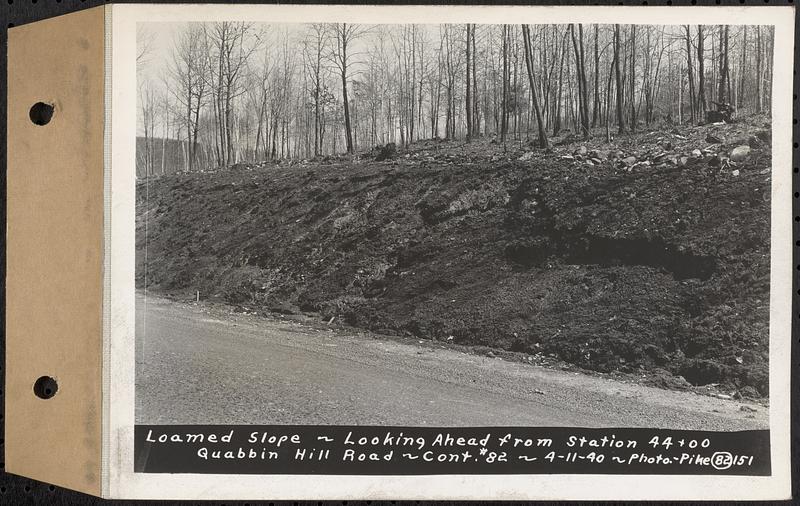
640,255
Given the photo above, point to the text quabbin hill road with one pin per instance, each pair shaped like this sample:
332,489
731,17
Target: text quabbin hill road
318,449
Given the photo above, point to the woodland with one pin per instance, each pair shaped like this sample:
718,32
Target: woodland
218,94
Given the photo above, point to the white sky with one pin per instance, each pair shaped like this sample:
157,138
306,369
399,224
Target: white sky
161,36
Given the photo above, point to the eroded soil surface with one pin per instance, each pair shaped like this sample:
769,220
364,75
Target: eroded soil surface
650,253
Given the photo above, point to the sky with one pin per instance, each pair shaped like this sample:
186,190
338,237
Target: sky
160,38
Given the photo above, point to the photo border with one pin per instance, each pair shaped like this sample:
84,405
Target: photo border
119,317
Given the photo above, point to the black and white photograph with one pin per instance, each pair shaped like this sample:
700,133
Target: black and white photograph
409,250
453,224
402,252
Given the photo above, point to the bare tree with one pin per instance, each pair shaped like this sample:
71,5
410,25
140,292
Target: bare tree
583,96
468,93
619,81
759,70
723,96
742,73
526,37
596,101
557,101
690,73
632,74
148,104
231,48
476,127
188,68
345,35
701,72
314,57
452,64
504,103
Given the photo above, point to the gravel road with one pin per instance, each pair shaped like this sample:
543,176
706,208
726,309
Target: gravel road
204,364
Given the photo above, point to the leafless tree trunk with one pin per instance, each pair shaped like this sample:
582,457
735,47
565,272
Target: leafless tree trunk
468,92
314,48
619,80
740,95
690,72
580,77
759,71
476,126
596,102
188,68
557,119
504,103
701,72
724,78
608,98
632,73
345,35
526,37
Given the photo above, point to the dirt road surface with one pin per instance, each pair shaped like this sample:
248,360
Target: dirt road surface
204,364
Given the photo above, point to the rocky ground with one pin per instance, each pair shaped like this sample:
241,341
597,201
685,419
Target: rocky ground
649,254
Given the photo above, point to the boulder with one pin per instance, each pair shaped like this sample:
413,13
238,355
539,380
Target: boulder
386,152
629,160
739,153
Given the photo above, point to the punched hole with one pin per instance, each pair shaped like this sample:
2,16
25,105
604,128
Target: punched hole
45,387
41,113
